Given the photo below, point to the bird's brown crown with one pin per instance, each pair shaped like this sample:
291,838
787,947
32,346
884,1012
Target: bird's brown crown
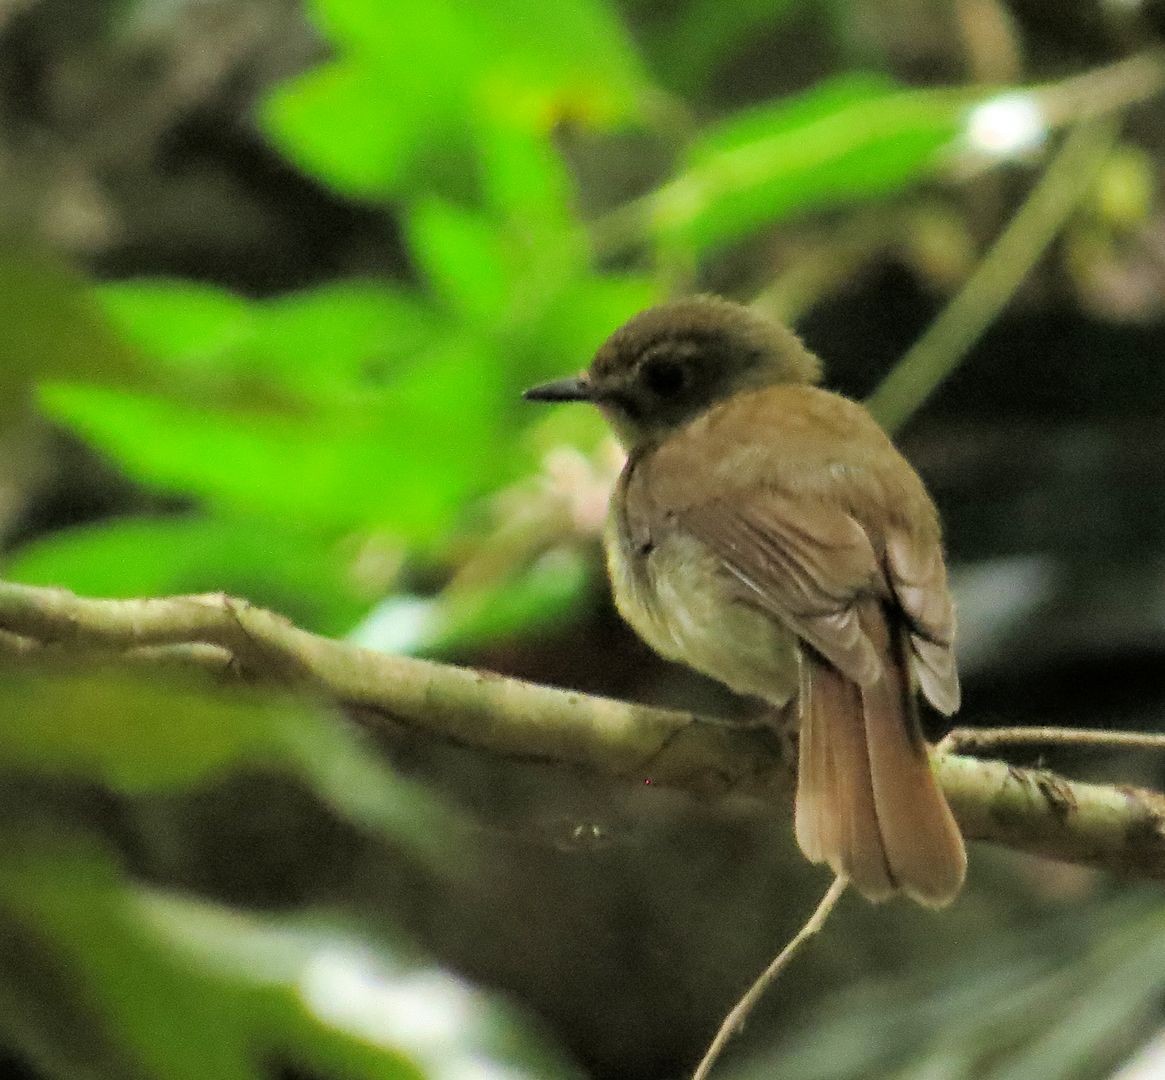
672,362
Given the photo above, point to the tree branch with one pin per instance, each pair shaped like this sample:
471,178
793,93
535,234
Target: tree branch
980,740
1030,810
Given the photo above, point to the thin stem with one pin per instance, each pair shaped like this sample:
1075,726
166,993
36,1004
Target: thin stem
746,1004
1017,249
973,740
1103,90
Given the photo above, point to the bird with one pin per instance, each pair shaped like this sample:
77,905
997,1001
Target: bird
767,533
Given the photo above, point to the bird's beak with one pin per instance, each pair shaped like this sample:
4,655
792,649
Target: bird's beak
575,389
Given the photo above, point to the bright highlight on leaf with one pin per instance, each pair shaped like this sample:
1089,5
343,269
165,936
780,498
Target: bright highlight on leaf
1007,126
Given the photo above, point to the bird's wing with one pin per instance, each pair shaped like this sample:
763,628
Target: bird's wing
803,562
918,577
809,562
811,519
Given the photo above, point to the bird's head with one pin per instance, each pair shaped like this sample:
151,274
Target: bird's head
669,364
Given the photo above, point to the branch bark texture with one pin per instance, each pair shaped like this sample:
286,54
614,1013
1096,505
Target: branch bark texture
1031,810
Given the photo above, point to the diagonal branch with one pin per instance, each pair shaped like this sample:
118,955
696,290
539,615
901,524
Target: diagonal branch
1030,810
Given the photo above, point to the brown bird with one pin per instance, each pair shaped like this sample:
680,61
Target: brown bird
767,533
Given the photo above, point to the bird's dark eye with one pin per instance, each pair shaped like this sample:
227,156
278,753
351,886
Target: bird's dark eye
664,377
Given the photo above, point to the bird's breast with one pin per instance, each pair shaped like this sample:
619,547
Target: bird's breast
676,595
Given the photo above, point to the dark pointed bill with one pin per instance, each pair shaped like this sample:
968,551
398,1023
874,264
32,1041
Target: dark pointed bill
573,389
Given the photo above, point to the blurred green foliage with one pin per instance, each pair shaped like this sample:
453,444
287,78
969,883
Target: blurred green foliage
106,977
109,729
370,412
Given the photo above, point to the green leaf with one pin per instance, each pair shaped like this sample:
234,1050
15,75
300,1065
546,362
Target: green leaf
240,460
406,465
508,54
346,123
97,995
342,342
338,342
852,138
549,62
134,735
464,259
190,326
288,570
138,735
526,181
397,113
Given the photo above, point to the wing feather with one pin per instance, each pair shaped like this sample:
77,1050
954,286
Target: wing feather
769,545
918,577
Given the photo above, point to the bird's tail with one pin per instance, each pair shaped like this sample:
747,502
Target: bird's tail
867,801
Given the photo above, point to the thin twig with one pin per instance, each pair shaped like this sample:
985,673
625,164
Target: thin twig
976,741
1016,250
740,1011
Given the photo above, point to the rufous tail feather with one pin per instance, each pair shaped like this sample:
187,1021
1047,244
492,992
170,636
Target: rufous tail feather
868,803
